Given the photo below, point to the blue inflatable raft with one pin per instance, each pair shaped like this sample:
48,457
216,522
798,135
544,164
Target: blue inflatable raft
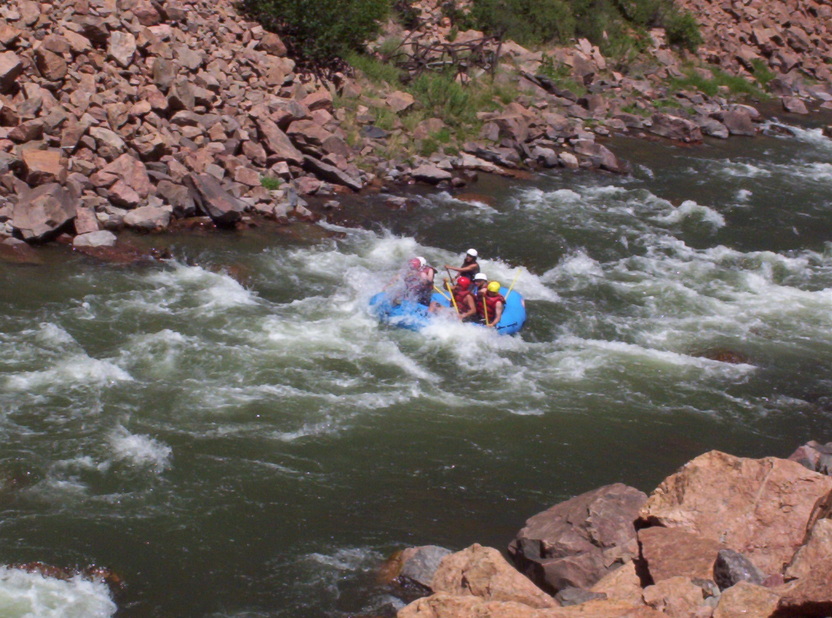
414,316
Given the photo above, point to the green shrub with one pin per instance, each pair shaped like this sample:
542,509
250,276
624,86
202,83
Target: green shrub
319,32
529,22
683,30
442,94
761,72
272,183
375,70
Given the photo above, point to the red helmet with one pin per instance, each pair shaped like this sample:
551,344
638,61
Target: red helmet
464,282
415,263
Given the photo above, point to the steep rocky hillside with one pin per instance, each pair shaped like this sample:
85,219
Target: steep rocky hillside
136,113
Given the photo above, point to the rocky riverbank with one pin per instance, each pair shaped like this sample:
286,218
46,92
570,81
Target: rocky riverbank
722,537
136,114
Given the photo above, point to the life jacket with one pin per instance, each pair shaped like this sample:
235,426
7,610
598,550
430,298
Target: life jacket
459,297
490,306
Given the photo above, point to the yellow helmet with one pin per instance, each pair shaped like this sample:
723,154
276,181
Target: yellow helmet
494,286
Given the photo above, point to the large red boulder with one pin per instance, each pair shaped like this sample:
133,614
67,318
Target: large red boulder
759,507
577,542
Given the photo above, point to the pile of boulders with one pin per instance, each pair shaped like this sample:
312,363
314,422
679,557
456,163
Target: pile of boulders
132,112
724,536
139,113
790,38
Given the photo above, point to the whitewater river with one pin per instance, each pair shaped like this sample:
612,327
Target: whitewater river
234,435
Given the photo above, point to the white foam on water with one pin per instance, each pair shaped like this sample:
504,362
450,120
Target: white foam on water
810,136
737,169
159,351
76,370
599,356
31,595
690,210
178,286
744,195
573,271
140,450
53,336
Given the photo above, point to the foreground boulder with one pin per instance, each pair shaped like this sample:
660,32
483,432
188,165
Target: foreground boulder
41,212
577,542
213,200
761,508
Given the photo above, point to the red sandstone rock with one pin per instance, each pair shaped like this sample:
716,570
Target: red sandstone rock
483,572
577,542
672,552
758,507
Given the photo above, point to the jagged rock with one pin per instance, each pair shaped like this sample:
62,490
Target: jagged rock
600,156
738,122
148,218
577,542
672,552
454,606
43,166
430,174
85,220
815,456
675,128
758,507
419,565
11,67
122,47
213,200
575,596
100,238
43,211
794,105
747,600
400,101
677,596
483,572
277,142
732,568
51,66
331,173
810,591
622,583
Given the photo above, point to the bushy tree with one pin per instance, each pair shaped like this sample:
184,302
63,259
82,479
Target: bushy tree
319,33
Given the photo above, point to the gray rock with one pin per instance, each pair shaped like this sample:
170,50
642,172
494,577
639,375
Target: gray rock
101,238
420,564
148,218
732,567
576,596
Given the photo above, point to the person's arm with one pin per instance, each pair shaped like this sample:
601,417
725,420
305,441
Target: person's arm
498,313
470,309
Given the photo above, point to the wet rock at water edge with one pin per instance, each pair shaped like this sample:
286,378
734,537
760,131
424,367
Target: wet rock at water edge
577,542
43,211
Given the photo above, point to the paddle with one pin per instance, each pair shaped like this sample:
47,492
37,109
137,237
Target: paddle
453,300
442,293
517,274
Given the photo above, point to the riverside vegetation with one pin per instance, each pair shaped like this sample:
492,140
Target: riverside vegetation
149,114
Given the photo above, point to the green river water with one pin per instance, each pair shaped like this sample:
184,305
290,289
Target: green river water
235,435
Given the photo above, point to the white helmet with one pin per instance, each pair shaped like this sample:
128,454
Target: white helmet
472,252
480,277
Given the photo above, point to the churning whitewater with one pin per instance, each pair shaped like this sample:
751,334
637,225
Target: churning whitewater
234,433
